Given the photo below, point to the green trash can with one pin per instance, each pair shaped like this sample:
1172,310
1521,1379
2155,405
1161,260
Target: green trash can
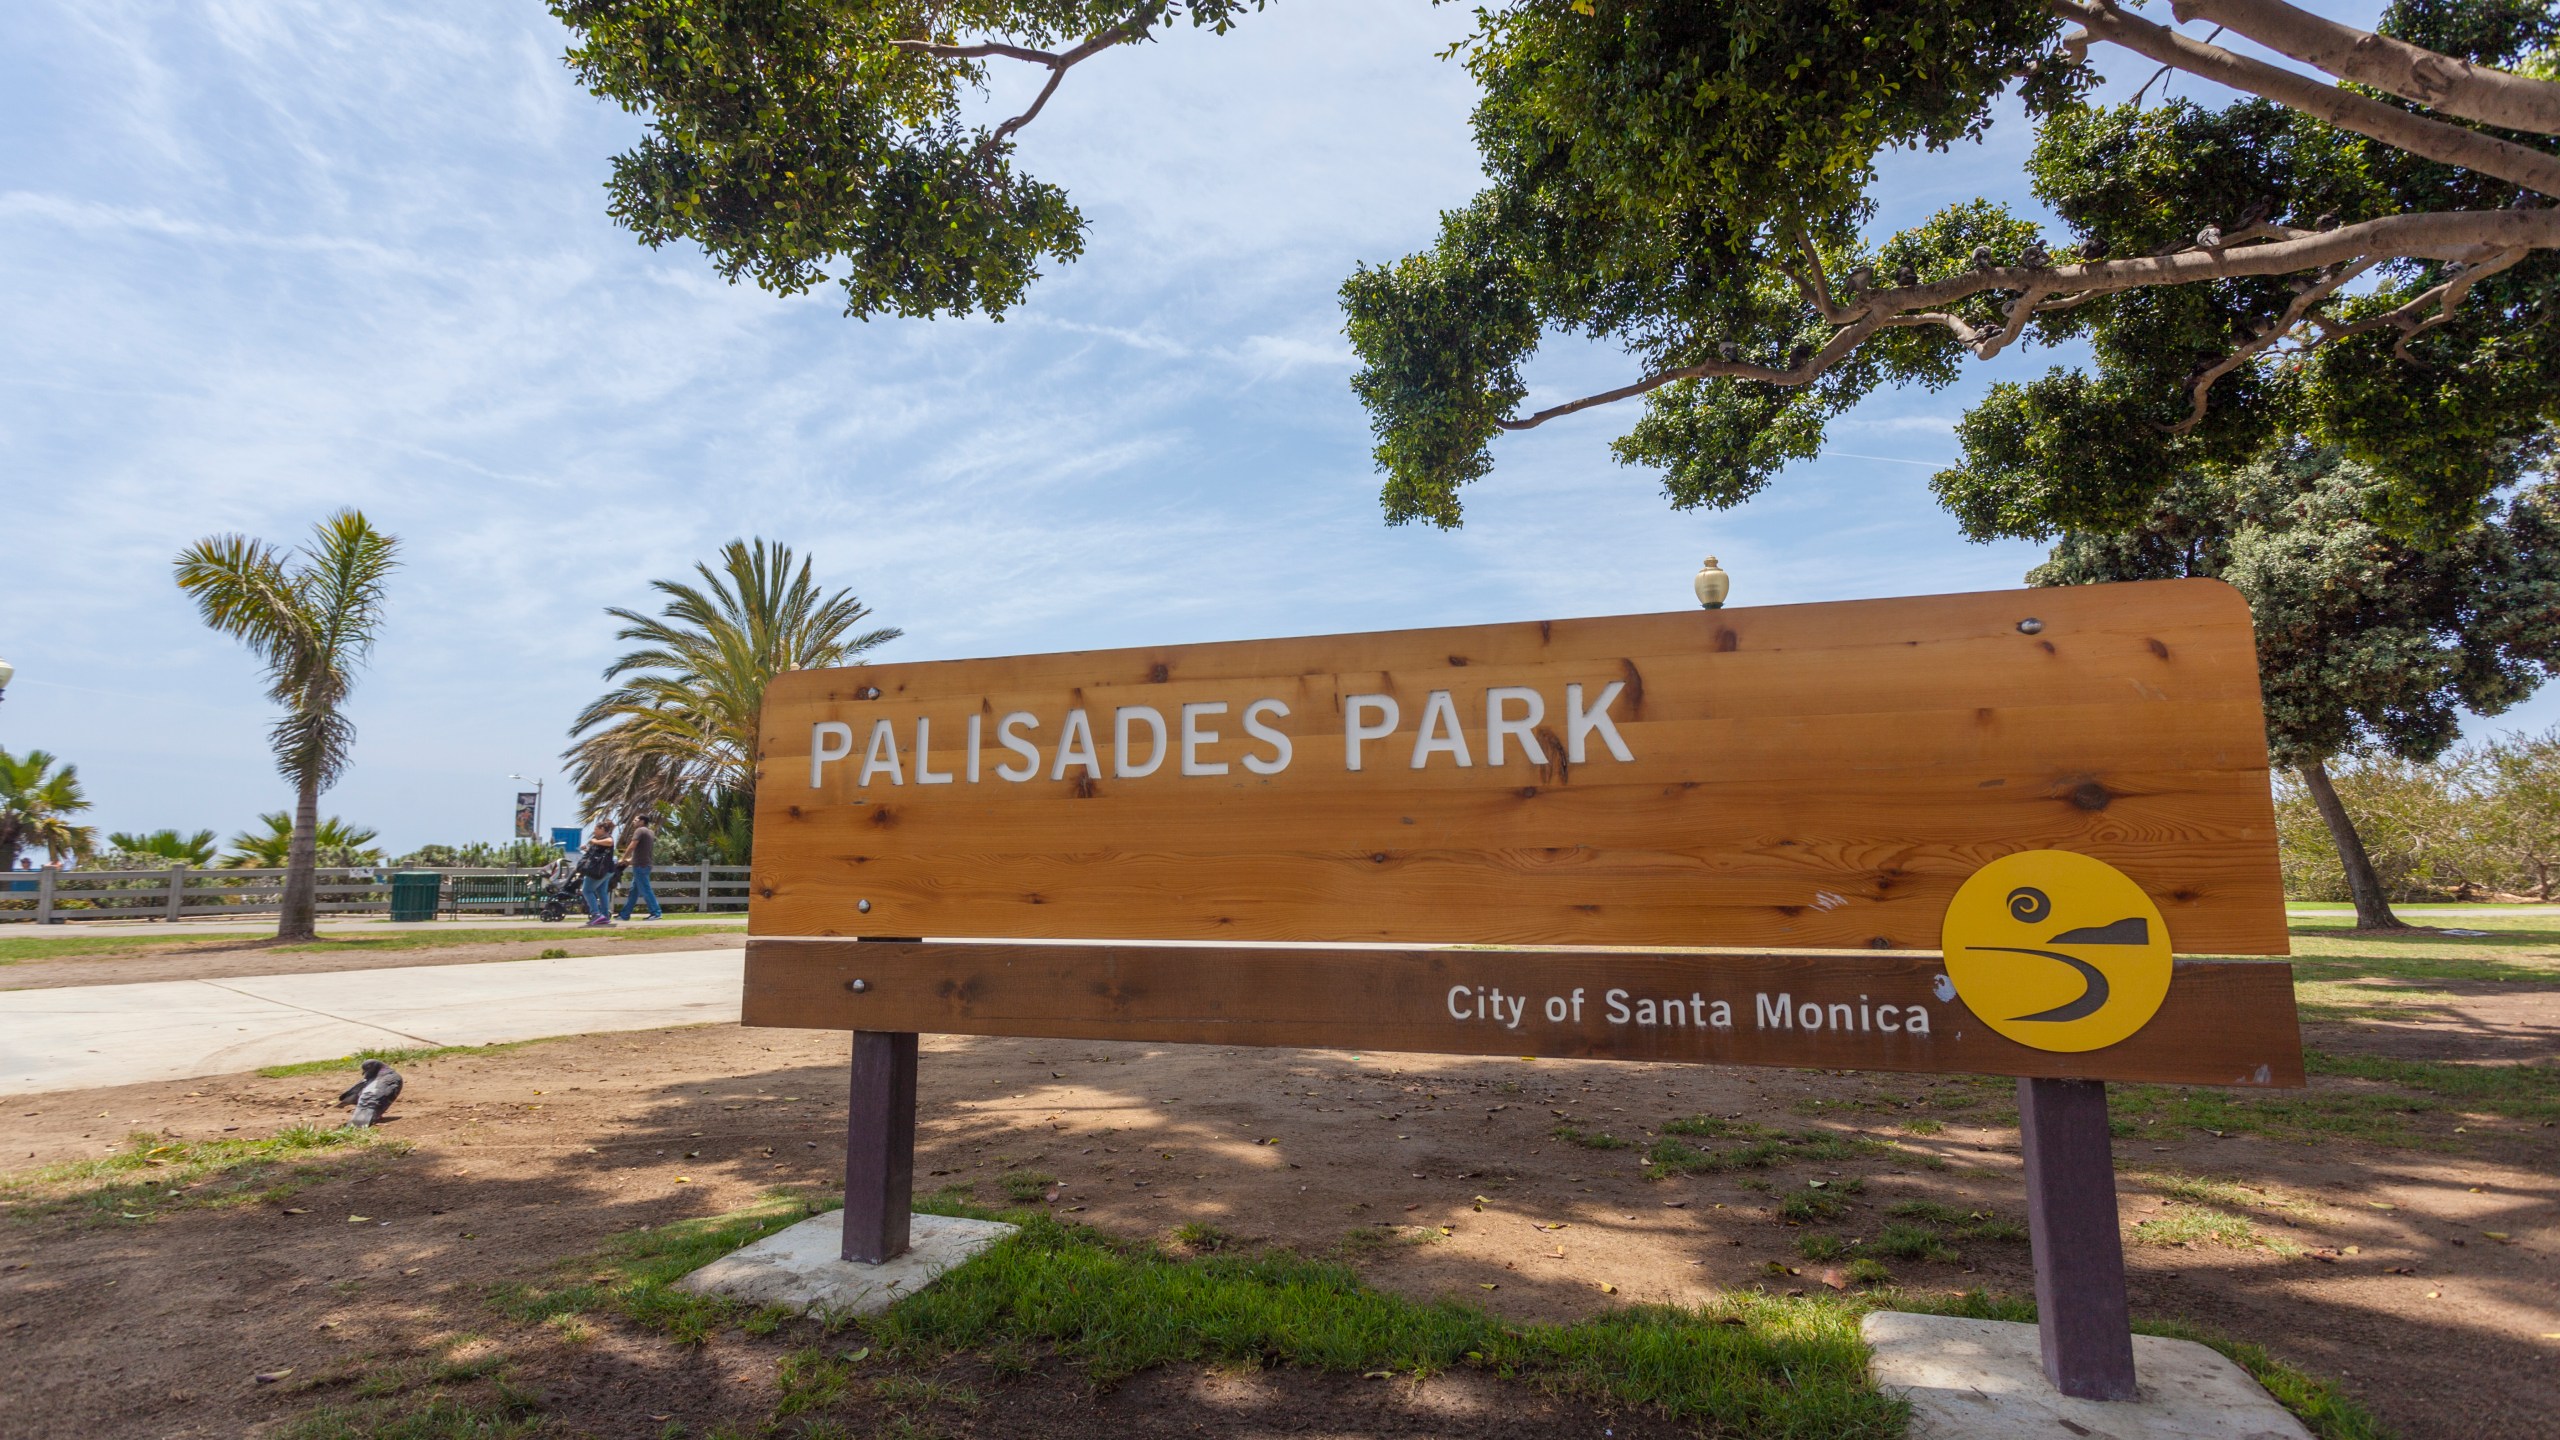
414,893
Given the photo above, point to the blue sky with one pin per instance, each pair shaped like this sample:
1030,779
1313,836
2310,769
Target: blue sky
267,259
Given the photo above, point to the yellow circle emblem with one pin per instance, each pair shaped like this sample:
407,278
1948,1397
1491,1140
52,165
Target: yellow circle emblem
2057,951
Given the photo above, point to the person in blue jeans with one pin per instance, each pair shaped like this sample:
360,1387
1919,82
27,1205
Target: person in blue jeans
641,854
595,874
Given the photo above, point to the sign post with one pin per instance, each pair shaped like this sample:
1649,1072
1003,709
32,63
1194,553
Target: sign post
1953,833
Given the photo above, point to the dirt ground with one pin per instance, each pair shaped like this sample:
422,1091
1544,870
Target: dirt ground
1438,1176
224,957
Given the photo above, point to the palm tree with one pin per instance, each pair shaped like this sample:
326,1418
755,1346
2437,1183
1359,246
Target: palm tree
196,849
683,720
335,842
36,801
312,626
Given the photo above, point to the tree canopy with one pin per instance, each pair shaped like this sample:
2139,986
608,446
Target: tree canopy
2367,645
682,722
310,617
196,849
38,797
2359,250
269,845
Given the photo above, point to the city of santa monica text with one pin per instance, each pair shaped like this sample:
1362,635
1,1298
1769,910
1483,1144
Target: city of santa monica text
1619,1006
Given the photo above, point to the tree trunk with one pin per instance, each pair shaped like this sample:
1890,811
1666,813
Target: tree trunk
301,867
2373,908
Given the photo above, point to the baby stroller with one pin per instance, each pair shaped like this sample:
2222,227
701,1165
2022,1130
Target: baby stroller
560,889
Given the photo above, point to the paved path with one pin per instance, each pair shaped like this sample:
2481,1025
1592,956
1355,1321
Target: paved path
334,925
79,1036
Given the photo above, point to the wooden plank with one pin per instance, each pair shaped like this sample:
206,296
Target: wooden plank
2227,1022
1815,775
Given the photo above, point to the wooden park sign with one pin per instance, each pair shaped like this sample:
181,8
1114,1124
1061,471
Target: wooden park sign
1953,833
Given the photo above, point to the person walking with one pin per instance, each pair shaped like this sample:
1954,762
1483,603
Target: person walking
595,875
641,853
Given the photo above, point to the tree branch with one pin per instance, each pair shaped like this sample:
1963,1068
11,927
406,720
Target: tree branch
1803,373
2485,240
2418,134
2412,72
2266,339
1058,63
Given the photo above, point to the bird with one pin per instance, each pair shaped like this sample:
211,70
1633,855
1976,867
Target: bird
1799,355
373,1094
2035,256
1727,349
2257,214
1906,277
2328,221
2210,237
1861,278
2094,249
1982,257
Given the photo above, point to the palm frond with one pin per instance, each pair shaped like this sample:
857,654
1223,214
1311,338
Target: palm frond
684,718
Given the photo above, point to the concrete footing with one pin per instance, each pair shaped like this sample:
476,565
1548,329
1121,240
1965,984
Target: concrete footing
1984,1380
803,1267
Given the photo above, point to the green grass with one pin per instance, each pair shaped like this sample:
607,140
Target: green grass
1744,1364
1818,1202
2300,1116
1866,1270
355,1062
2207,1190
1026,1186
2190,1225
1756,1148
442,1417
2203,1210
2404,1093
152,1175
1906,1241
2518,1092
1202,1239
397,940
1960,1224
635,1278
2525,948
14,948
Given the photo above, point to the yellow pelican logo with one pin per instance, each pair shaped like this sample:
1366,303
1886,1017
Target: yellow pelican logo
2057,951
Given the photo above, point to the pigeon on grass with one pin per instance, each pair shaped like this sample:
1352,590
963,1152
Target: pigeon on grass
373,1094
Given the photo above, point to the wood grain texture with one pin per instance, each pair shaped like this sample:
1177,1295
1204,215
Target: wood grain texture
2225,1022
1802,776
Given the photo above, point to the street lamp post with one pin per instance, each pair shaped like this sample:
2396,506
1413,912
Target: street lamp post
537,803
6,670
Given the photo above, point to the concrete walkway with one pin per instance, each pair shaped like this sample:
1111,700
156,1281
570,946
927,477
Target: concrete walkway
80,1036
337,925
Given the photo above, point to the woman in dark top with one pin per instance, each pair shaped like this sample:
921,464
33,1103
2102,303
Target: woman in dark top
595,873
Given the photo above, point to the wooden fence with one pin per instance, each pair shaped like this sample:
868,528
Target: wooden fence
183,892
